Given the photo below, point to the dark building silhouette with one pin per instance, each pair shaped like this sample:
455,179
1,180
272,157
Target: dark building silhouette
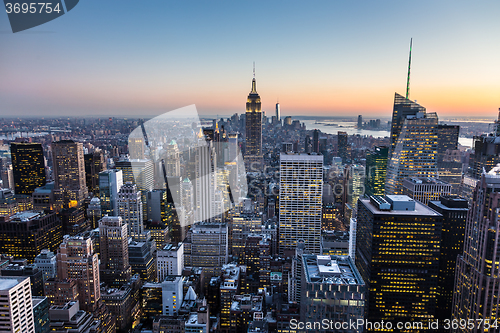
342,146
26,234
28,167
94,163
397,254
454,210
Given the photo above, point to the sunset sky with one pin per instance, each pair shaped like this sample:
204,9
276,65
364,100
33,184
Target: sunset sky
323,58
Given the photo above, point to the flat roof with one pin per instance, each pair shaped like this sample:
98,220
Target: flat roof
8,283
420,209
331,270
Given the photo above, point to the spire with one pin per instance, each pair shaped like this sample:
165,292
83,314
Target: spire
254,84
408,79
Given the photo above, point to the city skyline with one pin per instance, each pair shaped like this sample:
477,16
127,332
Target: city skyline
334,59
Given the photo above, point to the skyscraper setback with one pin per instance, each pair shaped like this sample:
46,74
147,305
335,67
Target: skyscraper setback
253,150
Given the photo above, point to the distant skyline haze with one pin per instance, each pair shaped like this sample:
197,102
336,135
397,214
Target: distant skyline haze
327,58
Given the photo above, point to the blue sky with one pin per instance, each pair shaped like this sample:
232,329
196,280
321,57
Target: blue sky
126,58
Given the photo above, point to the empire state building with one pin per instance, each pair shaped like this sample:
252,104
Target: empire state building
253,151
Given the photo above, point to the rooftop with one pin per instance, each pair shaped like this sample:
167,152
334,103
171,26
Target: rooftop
425,180
419,208
331,270
7,283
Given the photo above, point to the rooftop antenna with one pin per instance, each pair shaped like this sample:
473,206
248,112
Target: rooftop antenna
254,69
408,79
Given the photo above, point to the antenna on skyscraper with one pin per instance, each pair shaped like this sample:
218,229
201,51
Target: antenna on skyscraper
408,79
254,69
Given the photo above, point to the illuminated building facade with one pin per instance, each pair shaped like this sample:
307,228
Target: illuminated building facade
332,289
454,210
253,149
76,260
300,201
376,168
113,250
356,184
69,173
414,139
110,183
26,234
397,255
243,225
28,166
477,281
207,245
130,209
425,189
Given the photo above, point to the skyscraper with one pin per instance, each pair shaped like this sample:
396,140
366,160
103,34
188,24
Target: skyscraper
342,147
253,151
397,254
315,142
28,167
130,209
94,164
76,260
447,139
414,139
113,250
69,173
278,113
110,183
402,108
301,190
376,168
476,279
454,210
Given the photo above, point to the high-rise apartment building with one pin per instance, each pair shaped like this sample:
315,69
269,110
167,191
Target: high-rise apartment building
300,200
76,260
130,209
376,168
397,254
414,139
454,210
94,163
69,173
253,150
476,279
110,183
16,311
113,250
28,167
